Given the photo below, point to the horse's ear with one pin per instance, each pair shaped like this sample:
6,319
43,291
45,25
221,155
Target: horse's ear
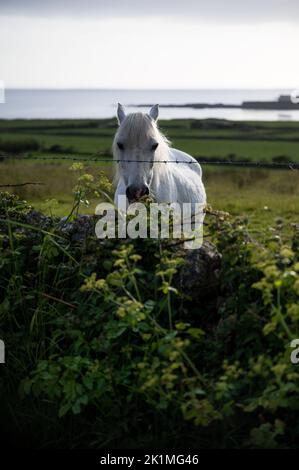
154,112
120,113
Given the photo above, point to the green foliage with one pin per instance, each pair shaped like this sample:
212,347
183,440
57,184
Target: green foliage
100,338
11,206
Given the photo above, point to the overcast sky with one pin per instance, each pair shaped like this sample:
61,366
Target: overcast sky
149,44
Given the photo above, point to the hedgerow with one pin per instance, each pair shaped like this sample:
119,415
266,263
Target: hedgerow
104,349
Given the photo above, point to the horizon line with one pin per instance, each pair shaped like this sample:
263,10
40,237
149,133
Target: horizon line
145,89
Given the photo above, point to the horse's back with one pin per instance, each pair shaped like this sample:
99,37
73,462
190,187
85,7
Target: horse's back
178,155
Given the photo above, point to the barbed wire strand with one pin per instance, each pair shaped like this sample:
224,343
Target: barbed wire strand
20,184
95,158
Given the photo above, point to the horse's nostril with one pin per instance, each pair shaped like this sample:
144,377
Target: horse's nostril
134,193
130,191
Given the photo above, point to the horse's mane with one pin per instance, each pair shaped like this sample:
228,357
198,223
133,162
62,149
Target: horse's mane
138,128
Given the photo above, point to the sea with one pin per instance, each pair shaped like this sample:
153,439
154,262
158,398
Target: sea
101,103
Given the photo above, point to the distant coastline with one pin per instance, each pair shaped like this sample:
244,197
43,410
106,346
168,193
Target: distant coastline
283,103
175,104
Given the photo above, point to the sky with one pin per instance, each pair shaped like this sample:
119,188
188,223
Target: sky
172,44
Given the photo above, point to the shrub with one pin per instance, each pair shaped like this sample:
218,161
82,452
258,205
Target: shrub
97,333
56,148
17,146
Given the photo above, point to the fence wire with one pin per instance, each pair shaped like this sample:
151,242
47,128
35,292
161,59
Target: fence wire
234,163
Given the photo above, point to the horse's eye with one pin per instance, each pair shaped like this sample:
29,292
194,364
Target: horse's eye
120,146
154,146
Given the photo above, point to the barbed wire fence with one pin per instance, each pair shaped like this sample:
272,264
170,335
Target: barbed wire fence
98,158
18,185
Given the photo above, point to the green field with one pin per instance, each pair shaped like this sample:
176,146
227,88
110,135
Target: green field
261,141
261,194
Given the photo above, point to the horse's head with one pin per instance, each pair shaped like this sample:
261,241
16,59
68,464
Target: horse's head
135,146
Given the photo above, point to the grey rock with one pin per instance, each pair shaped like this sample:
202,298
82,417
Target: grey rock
199,278
35,218
79,228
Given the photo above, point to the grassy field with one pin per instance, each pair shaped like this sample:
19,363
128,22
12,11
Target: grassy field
206,138
261,194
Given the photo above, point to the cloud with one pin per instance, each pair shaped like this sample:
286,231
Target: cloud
223,11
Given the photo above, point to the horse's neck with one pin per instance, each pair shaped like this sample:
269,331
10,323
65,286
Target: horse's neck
161,169
162,184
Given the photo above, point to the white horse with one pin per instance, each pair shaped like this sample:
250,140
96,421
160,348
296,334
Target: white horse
140,150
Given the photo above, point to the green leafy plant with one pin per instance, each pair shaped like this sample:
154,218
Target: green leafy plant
98,332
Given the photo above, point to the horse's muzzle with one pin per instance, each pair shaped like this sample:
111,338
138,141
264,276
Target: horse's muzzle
134,193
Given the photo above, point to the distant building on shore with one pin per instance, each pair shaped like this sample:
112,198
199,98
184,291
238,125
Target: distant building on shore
285,99
284,102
